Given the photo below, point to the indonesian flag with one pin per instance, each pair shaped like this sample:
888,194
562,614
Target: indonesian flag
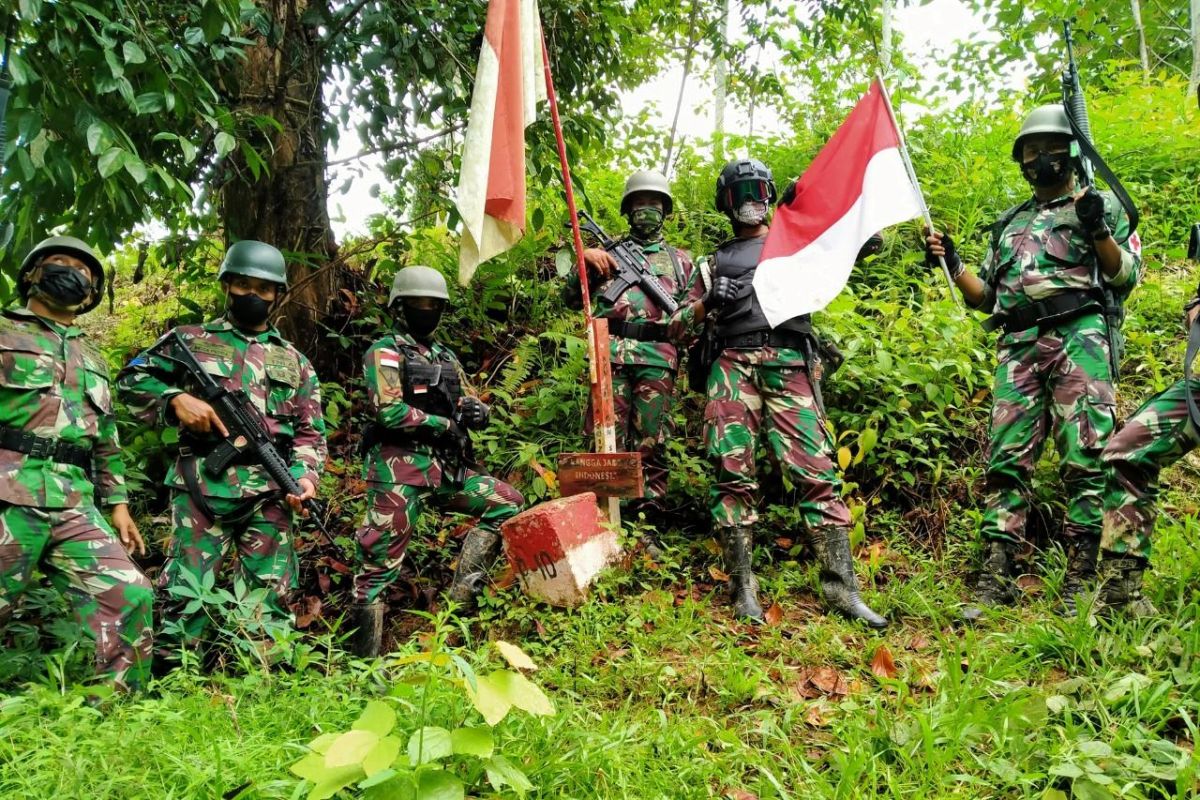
856,186
491,187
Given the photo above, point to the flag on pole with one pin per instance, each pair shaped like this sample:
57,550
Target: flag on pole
856,186
508,85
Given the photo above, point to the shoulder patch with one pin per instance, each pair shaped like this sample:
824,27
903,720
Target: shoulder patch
283,365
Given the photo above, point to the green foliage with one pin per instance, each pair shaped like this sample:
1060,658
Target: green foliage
437,763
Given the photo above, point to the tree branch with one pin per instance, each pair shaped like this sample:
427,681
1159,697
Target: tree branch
394,146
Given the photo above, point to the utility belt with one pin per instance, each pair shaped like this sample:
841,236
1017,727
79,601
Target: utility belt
756,339
641,331
1047,313
34,446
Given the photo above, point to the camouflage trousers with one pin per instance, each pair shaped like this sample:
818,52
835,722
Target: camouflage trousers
261,534
1058,385
642,403
392,511
1156,436
767,391
82,557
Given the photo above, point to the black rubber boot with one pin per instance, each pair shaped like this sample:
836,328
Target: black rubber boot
479,551
994,587
737,545
839,584
366,640
1080,576
1121,587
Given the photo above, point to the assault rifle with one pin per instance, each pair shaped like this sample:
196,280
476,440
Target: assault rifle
1193,344
1088,162
248,432
632,269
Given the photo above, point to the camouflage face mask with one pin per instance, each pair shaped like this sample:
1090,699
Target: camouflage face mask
646,223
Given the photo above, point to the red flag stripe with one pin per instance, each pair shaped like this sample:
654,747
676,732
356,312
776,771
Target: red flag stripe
833,183
506,180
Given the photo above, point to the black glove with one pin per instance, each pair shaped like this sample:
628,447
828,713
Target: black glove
870,247
475,412
1090,210
724,290
953,262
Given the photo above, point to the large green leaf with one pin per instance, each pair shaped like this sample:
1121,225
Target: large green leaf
438,784
378,717
472,741
350,748
429,744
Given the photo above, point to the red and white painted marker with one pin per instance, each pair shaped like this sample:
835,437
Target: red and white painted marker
558,548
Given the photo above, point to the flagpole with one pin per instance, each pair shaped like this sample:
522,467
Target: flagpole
912,176
599,372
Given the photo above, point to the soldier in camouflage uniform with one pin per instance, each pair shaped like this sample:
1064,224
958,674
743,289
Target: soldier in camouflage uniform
1044,282
762,387
1157,435
242,507
645,339
417,450
59,458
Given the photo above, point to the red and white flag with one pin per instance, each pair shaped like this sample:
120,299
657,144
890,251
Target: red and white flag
508,85
856,186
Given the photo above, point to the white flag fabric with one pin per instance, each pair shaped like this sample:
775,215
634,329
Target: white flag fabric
508,84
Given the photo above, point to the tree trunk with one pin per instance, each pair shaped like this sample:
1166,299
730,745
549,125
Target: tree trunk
886,36
287,203
1194,82
1135,7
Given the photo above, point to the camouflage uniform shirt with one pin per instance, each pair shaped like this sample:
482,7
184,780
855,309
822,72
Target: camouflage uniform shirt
55,384
277,377
1043,251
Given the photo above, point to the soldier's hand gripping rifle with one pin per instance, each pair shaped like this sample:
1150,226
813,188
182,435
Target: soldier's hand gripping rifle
248,432
1087,160
632,269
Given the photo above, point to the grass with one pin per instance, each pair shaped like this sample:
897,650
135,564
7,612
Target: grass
659,696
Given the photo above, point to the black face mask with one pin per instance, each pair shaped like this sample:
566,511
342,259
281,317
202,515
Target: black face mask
1047,170
421,322
248,310
63,287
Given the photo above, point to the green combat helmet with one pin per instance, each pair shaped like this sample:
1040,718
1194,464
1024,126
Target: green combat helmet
418,282
647,181
254,259
1043,119
64,245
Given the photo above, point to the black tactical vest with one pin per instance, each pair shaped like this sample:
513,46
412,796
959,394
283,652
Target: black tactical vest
432,386
738,259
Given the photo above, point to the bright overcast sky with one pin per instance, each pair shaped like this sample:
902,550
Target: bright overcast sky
921,28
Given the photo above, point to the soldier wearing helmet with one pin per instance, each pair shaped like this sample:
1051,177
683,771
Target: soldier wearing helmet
1056,264
417,450
239,506
763,386
60,459
645,338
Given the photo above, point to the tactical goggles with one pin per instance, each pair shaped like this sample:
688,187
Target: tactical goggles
740,192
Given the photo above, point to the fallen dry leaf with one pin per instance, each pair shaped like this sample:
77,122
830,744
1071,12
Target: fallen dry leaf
882,663
827,681
784,542
815,717
717,574
774,614
1029,583
918,643
740,794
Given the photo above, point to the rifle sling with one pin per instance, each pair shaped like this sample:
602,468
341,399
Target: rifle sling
1193,348
1114,183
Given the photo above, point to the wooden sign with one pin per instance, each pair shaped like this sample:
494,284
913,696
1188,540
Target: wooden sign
605,474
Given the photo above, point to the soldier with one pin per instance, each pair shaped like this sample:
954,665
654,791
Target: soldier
1044,280
645,339
1159,433
59,457
762,385
417,449
241,507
